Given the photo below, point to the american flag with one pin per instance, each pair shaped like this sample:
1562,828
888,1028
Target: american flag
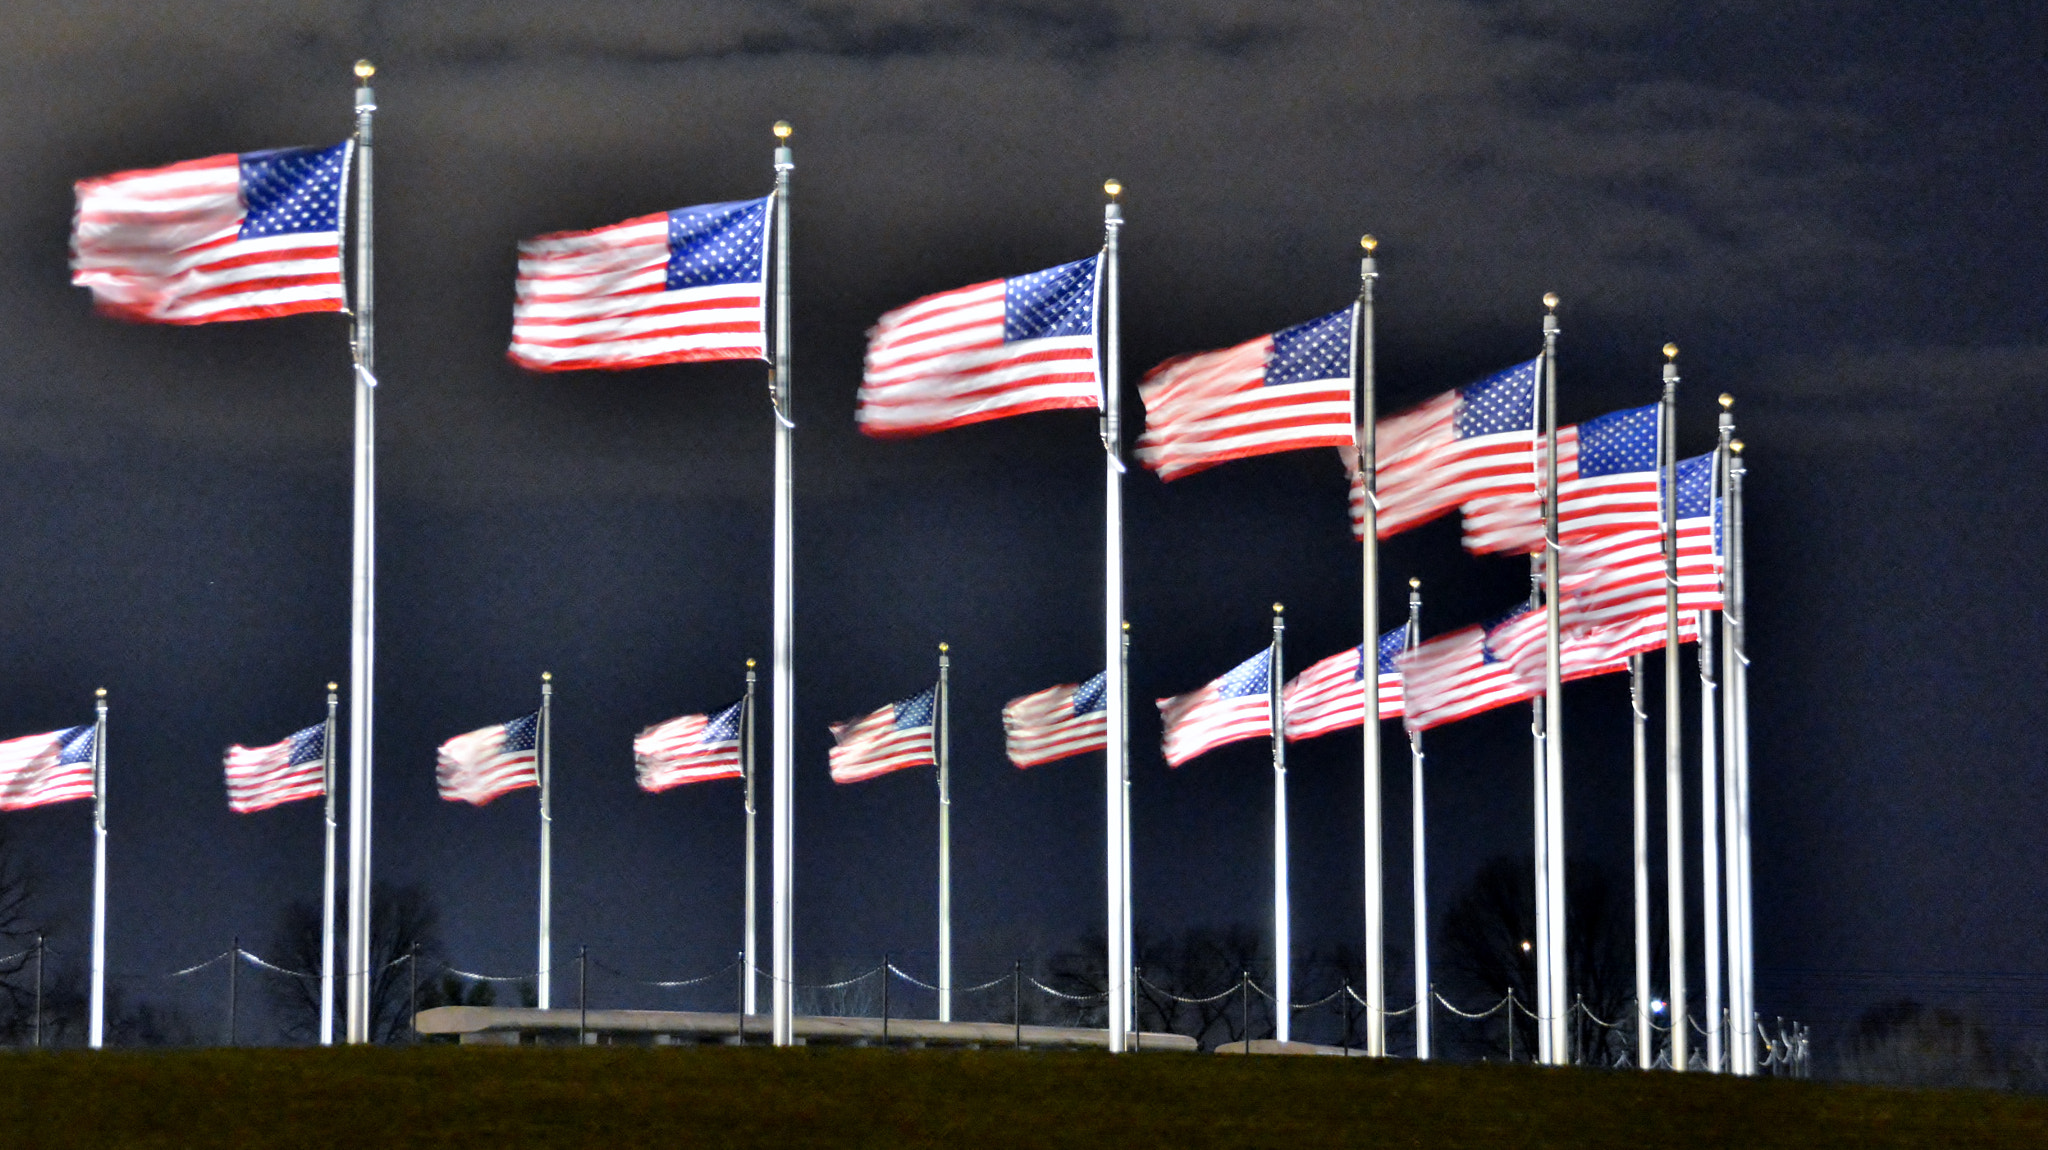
1607,483
1619,576
1005,347
1330,695
1473,669
1237,706
224,238
488,762
1057,722
1476,442
1279,392
260,778
897,736
53,767
690,749
671,287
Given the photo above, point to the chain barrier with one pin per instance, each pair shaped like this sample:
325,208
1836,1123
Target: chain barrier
475,977
899,972
194,969
272,967
18,954
1069,997
840,985
1488,1013
664,984
1218,997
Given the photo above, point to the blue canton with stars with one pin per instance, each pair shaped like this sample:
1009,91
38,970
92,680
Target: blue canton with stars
1499,403
1251,677
308,746
1391,645
290,190
1092,696
1318,349
1056,301
77,744
521,733
1619,442
723,727
1486,652
714,244
916,711
1695,486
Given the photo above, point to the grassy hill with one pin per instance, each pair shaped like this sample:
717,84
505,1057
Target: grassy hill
450,1097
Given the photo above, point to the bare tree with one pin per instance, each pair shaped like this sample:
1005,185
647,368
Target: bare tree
404,930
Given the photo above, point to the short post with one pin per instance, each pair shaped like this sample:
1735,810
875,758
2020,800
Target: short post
1017,1000
39,991
1344,1012
1511,1024
741,1013
234,968
885,998
412,974
1137,989
1244,1006
582,994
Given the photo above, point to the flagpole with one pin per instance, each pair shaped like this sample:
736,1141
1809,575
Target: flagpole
544,967
362,592
1739,747
1114,697
1369,610
1731,887
747,997
784,684
945,741
327,882
1419,839
1283,943
1540,807
1710,862
1646,1040
97,1028
1674,795
1553,707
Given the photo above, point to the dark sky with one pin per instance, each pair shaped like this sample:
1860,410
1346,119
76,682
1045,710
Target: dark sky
1829,209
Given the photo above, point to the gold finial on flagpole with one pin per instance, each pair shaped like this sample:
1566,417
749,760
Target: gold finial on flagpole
1414,583
365,70
750,664
547,676
1370,244
782,130
1114,187
1550,300
1670,351
1127,626
1277,609
100,693
1727,401
1735,445
334,686
943,648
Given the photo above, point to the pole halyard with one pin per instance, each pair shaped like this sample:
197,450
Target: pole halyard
96,1024
944,740
544,965
1639,718
1710,862
1419,840
1283,942
1553,1025
747,960
327,880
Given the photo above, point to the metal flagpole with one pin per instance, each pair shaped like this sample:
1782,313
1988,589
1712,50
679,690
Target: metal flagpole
945,746
544,966
327,883
1740,1042
1115,700
783,685
1710,862
362,584
1283,944
1553,706
1412,640
747,964
1674,794
1739,745
1646,1040
1369,608
97,1025
1540,808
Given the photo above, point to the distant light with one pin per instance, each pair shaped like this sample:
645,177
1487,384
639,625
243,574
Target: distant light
1527,946
1656,1006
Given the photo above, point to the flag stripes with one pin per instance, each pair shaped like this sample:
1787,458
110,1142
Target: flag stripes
1476,442
689,749
1236,706
230,237
1279,392
899,735
1330,695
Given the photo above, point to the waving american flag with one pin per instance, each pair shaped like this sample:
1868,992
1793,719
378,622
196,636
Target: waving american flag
490,761
1476,442
891,739
228,237
1330,695
672,287
53,767
986,351
1279,392
263,777
1237,706
690,749
1070,719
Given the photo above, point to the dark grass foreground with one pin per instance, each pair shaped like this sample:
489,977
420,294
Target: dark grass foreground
449,1097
